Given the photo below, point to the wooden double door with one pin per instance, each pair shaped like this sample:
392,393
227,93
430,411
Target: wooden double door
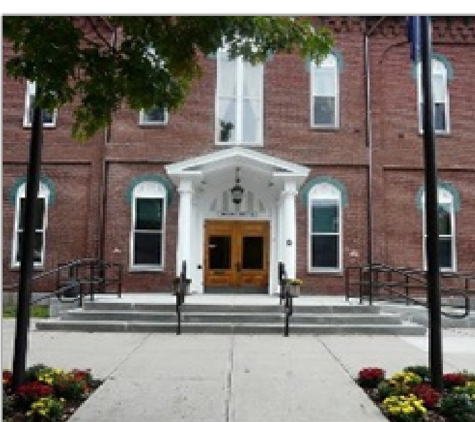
236,255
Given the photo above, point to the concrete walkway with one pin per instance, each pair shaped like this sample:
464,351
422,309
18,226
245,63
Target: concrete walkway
232,378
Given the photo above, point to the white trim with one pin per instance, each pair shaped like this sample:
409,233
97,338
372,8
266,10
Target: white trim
43,193
239,98
154,190
444,198
325,191
29,94
438,68
143,122
330,62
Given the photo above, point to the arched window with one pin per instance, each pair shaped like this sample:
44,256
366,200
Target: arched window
325,227
446,214
41,222
325,93
149,199
440,96
239,101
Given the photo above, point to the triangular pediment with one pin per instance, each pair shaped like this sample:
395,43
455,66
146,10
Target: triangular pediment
198,167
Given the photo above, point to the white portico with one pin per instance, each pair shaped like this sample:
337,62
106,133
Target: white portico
236,244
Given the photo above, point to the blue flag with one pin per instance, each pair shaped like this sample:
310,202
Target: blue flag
414,36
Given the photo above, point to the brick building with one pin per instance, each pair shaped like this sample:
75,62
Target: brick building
329,161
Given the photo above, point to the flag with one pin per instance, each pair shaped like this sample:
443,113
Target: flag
414,36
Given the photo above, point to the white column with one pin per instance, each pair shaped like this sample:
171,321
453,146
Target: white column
289,231
185,189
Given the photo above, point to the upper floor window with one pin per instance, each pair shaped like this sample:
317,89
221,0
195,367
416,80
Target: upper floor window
153,116
239,101
40,225
446,228
440,96
148,226
49,119
325,104
325,227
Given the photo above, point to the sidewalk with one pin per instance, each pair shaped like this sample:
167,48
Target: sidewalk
231,378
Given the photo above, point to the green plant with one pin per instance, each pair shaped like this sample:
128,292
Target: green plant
46,409
404,408
370,377
421,370
294,282
389,388
468,388
36,311
458,407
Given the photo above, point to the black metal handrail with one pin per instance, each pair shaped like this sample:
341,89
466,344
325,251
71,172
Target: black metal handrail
94,275
180,288
369,284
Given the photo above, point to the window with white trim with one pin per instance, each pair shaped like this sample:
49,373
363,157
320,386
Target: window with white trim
148,226
40,225
325,103
440,97
446,226
239,101
49,119
155,116
325,228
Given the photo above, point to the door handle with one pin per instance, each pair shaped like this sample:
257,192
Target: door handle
238,266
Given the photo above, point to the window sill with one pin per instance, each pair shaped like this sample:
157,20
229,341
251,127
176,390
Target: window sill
146,269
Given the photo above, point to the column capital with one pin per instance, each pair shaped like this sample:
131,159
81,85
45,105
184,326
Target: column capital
185,186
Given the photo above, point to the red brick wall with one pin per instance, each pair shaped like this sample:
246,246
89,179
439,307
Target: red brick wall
128,151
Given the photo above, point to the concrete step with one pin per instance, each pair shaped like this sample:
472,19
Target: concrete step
232,328
169,307
231,317
265,318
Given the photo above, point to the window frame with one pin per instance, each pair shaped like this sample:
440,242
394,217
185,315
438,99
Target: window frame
438,68
239,98
30,92
43,194
148,190
444,198
143,122
330,62
324,191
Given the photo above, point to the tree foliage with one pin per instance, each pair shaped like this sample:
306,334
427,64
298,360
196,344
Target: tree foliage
98,63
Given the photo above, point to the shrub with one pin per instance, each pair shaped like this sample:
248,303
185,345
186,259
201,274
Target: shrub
404,408
421,370
370,377
430,396
458,407
30,392
46,409
453,380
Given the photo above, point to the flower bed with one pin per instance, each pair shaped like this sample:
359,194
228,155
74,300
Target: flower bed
47,395
407,396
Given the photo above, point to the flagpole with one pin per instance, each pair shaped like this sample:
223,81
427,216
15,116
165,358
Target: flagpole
431,207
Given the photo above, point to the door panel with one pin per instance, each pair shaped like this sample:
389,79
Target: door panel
236,254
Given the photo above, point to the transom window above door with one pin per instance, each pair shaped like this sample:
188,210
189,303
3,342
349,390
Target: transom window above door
239,101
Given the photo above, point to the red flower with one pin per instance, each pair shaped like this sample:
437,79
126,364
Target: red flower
429,395
32,391
370,377
453,379
7,378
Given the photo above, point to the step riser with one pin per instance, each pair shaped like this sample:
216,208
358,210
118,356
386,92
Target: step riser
232,318
234,329
149,307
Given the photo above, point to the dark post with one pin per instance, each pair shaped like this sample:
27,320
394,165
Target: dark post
431,205
27,249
